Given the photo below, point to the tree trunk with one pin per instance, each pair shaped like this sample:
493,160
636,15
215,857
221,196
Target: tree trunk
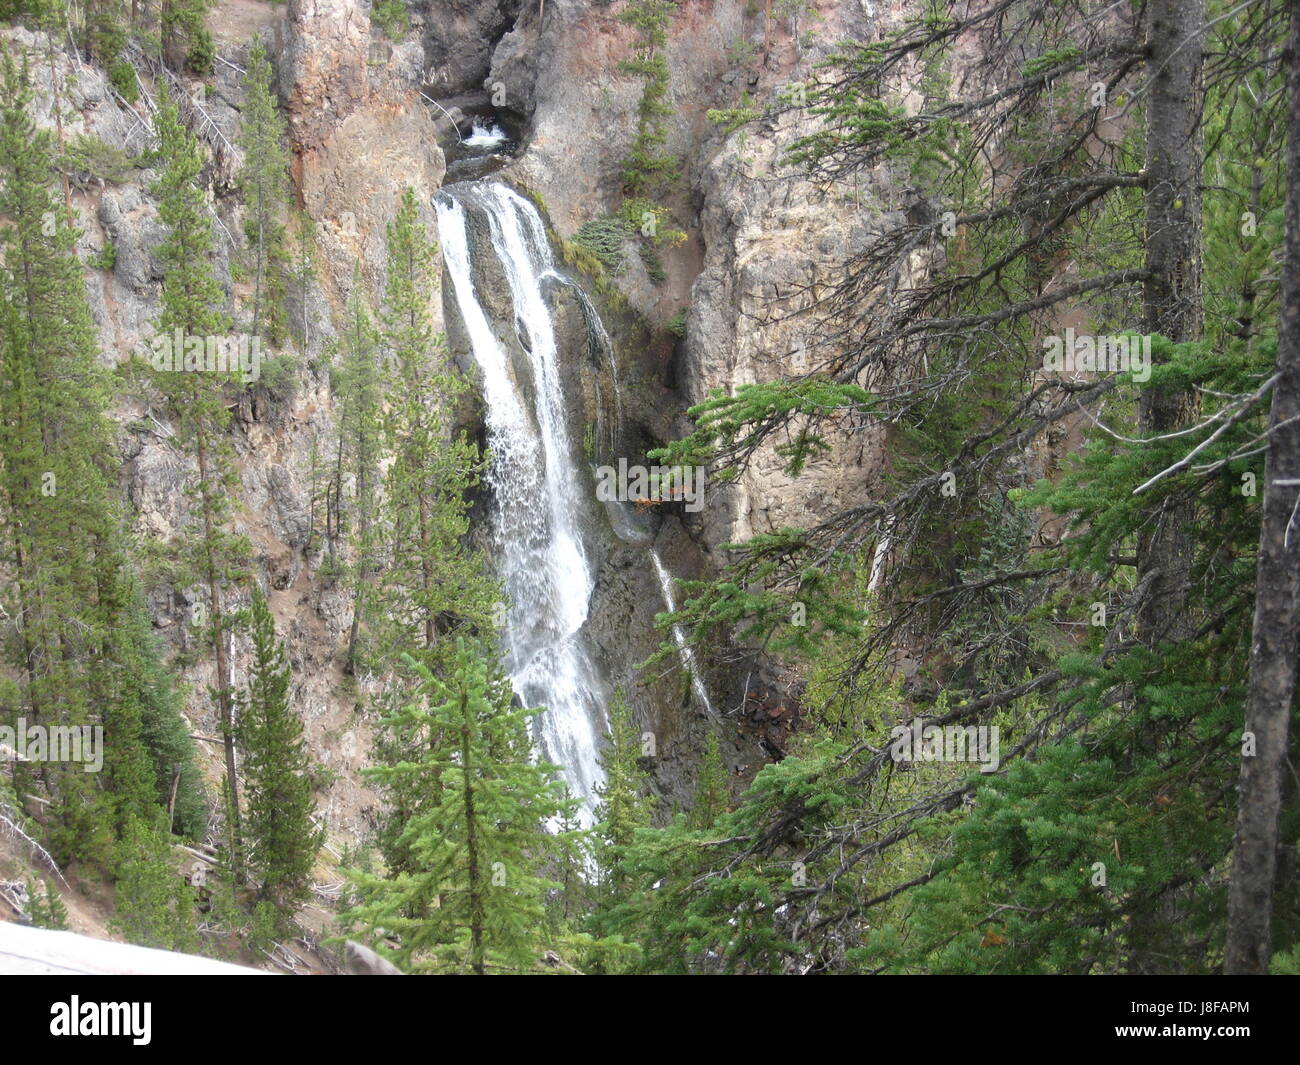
426,569
58,126
363,561
1277,595
474,875
261,255
223,669
1172,291
1173,309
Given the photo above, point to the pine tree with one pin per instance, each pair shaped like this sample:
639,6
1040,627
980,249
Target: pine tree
476,900
625,805
302,273
192,303
48,448
45,905
86,645
570,856
283,841
433,583
129,769
358,387
146,682
155,907
185,38
648,165
712,794
1269,706
101,30
264,185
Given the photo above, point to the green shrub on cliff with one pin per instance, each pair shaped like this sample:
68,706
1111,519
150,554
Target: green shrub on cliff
603,237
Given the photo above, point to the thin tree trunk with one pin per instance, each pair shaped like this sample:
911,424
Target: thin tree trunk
476,916
171,798
414,383
1172,292
426,570
58,125
1172,309
261,253
338,488
1277,597
223,672
363,562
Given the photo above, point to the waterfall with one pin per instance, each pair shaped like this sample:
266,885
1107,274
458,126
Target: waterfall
684,650
482,136
544,564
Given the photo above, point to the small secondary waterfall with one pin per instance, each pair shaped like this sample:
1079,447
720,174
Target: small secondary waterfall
482,136
684,650
544,564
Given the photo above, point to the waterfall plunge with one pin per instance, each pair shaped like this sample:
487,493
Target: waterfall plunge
543,562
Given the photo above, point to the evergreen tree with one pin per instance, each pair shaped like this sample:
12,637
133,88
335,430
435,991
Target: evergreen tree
45,905
686,919
103,37
264,185
192,307
433,584
302,273
52,444
571,861
358,387
185,38
625,805
1272,685
85,645
712,794
648,165
155,907
476,900
625,808
129,770
283,842
163,728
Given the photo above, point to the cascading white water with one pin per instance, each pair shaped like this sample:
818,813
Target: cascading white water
543,563
684,649
482,136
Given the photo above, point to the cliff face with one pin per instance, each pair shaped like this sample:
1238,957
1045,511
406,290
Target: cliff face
459,38
760,237
757,237
360,134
